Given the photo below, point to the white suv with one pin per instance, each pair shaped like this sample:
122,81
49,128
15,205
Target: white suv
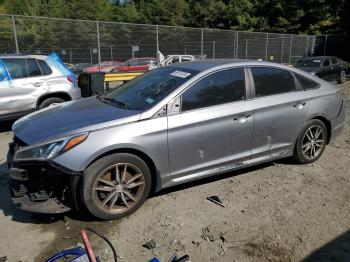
32,82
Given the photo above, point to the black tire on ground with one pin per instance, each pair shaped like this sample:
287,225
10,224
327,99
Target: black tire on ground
49,101
342,77
298,154
90,175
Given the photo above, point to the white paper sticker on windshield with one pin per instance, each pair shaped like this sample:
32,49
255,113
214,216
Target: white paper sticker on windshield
149,100
180,74
316,61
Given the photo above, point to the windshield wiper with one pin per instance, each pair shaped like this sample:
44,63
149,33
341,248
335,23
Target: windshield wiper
113,101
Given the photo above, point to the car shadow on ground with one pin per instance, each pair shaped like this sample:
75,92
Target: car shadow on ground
5,126
335,250
211,179
9,209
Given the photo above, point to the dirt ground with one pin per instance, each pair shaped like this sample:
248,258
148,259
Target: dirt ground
273,212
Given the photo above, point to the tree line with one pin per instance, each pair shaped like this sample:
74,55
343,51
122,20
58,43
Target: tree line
280,16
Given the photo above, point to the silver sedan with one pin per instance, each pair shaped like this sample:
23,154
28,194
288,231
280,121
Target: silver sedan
169,126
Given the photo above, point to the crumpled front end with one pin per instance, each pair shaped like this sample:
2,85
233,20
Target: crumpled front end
41,186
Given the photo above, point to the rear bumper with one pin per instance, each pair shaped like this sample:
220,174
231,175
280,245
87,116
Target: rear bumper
338,123
42,186
75,93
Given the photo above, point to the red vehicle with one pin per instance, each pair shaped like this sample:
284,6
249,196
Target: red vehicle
106,66
141,64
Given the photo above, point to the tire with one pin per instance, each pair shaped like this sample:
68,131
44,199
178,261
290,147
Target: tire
106,200
303,151
342,77
49,101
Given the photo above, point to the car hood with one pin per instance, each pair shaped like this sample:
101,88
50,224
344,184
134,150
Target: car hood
70,118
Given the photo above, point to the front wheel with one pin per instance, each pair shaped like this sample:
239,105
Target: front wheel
342,77
116,186
51,101
311,142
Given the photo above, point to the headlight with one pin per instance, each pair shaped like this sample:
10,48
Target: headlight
49,150
313,73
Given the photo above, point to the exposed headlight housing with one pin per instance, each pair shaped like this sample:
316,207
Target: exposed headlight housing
48,150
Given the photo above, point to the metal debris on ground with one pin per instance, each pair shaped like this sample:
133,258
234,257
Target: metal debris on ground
150,244
180,259
216,200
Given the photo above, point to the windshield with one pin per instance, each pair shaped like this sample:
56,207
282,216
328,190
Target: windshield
150,88
309,63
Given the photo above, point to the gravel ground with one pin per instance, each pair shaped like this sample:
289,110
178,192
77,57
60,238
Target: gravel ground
273,212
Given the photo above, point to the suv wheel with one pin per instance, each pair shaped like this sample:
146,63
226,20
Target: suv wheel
50,101
342,77
115,186
311,142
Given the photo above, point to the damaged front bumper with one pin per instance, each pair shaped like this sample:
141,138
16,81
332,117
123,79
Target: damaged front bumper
42,186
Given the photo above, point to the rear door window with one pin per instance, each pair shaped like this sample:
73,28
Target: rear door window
272,81
218,88
17,67
33,68
326,62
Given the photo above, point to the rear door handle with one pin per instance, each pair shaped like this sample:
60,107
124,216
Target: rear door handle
242,119
37,84
299,105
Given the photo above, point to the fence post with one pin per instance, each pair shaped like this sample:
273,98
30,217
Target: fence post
70,56
237,46
325,45
307,46
246,49
157,43
15,33
234,45
290,49
202,37
313,45
282,47
213,53
98,44
111,52
267,45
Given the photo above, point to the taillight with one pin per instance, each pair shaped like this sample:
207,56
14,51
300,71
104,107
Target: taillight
70,79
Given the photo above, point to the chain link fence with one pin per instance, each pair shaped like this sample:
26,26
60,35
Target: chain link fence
83,41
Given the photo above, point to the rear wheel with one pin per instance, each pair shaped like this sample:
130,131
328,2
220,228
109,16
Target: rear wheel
342,77
116,186
311,142
50,101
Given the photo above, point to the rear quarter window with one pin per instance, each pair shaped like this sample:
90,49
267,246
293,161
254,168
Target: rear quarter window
334,60
306,83
45,69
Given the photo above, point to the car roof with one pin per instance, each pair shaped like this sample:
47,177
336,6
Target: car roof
143,58
204,64
23,56
316,57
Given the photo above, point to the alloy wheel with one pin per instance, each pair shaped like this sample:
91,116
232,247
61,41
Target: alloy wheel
342,76
314,142
118,188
